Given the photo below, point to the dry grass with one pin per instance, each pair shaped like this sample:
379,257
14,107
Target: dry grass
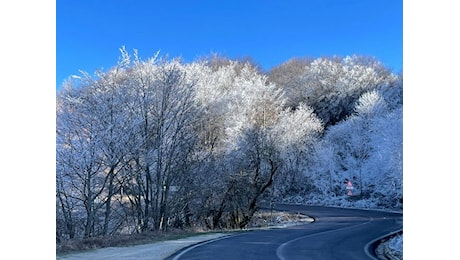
79,245
260,219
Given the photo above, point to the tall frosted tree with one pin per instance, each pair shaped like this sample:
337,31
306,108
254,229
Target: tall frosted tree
79,160
164,102
296,133
367,149
331,86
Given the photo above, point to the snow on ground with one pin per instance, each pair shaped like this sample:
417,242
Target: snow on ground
391,248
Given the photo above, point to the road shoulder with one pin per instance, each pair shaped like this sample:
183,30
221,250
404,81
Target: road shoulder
156,250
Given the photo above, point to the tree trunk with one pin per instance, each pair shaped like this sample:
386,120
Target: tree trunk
108,201
253,205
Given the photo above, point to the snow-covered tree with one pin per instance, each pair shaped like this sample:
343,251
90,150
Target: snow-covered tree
288,76
296,133
79,160
367,148
332,85
163,99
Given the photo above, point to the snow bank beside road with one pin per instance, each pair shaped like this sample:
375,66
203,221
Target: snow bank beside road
391,248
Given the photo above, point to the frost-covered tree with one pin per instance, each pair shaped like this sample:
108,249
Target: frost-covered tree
79,159
126,135
296,133
332,85
366,148
163,99
116,117
288,76
384,164
240,106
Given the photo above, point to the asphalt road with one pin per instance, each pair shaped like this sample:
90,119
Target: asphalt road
336,233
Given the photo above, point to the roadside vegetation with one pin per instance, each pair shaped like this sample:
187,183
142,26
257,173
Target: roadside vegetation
261,219
391,247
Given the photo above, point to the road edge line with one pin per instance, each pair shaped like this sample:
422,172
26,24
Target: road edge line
182,251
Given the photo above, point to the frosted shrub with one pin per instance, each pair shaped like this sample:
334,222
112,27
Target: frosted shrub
396,244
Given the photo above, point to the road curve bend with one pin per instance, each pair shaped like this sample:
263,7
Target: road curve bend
336,233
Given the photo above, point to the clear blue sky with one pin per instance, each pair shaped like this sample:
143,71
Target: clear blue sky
89,33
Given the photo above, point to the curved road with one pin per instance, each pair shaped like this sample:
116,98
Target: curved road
336,233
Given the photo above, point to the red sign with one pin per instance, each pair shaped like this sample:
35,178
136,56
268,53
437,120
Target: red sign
349,185
349,188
